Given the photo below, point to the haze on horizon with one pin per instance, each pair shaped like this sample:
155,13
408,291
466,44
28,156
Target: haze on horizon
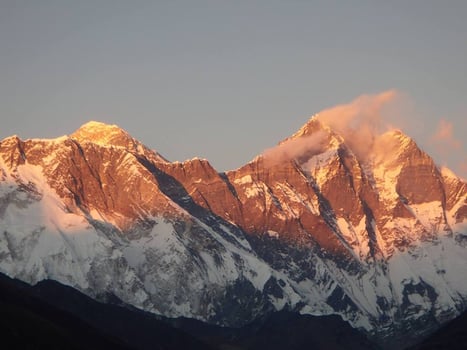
227,80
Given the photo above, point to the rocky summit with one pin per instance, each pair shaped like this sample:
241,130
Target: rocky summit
317,225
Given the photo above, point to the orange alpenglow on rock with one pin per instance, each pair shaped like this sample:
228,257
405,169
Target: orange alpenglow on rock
346,216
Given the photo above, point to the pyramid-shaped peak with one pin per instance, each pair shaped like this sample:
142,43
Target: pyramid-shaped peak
104,135
315,130
398,138
313,125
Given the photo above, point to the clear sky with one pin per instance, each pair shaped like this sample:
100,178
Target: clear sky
224,80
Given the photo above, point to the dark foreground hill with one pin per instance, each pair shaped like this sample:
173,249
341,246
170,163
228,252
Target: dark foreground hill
54,316
452,336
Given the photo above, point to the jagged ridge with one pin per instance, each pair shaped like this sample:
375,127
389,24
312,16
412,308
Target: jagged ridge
379,240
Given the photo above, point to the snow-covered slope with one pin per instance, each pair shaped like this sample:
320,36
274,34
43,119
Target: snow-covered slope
311,227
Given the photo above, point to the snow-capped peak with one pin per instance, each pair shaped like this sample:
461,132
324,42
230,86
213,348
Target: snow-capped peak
394,146
399,135
106,135
448,174
313,125
103,134
329,221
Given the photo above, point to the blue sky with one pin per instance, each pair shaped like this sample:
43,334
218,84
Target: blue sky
225,80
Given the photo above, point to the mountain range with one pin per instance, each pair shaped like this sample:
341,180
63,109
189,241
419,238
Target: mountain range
323,224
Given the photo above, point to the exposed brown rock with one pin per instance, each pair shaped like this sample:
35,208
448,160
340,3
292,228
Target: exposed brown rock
11,150
101,170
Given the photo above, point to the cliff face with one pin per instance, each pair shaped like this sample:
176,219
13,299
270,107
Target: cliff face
312,226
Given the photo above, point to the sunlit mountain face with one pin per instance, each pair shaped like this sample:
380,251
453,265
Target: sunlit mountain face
347,219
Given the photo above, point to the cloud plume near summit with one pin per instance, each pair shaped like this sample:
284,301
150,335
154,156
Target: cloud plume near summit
362,122
359,122
445,144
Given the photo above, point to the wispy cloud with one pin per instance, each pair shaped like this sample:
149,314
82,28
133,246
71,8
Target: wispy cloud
444,136
359,122
295,148
363,121
462,169
446,147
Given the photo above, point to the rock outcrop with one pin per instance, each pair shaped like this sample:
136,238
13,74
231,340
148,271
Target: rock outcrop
379,238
